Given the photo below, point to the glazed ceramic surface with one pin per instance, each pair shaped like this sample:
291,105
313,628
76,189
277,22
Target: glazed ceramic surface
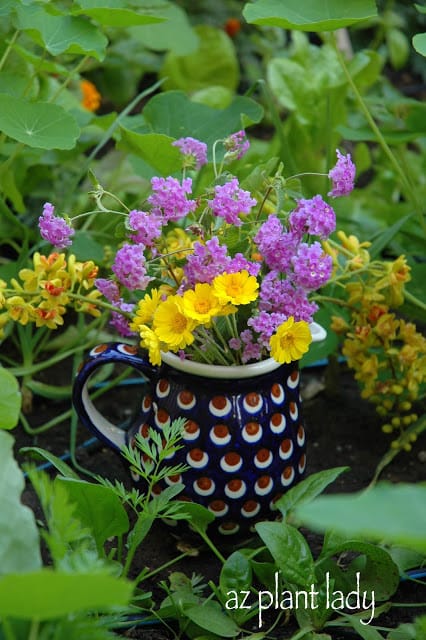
244,438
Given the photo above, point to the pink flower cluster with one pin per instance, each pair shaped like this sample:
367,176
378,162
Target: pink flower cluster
53,229
230,201
194,151
342,175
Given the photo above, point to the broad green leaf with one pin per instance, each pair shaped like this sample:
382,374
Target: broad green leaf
85,247
98,508
394,513
174,34
175,115
419,43
155,148
116,13
10,400
236,573
290,551
51,594
19,548
6,7
309,15
37,124
61,34
214,62
200,517
387,236
210,616
376,568
308,489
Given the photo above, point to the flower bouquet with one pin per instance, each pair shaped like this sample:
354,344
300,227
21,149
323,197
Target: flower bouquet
224,276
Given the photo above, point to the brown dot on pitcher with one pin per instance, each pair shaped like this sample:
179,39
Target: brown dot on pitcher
219,507
163,385
252,432
186,397
191,430
144,430
100,348
129,348
286,448
250,508
162,416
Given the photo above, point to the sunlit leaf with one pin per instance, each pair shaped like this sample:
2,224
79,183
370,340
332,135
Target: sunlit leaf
53,594
419,43
37,124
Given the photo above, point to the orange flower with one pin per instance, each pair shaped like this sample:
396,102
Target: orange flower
91,96
232,27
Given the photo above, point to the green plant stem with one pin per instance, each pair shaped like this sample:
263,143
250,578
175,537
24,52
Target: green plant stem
33,634
9,49
407,187
211,546
69,78
154,572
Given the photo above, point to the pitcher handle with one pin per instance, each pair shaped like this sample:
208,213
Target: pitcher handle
113,352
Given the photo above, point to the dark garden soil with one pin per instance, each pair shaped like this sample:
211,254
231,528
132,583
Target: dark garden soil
342,429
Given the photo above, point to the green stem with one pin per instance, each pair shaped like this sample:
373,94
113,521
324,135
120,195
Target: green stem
158,569
408,191
9,49
410,298
33,634
69,78
7,629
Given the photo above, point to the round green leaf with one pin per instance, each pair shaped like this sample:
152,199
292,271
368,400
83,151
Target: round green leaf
37,124
10,400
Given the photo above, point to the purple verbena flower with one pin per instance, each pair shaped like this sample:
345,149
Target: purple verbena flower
195,151
276,246
53,229
230,201
313,216
130,267
342,175
120,322
109,289
312,266
169,200
278,295
147,226
240,263
252,348
236,145
265,324
234,343
206,262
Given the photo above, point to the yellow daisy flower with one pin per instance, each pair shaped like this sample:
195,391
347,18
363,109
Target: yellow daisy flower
150,341
201,304
290,341
236,288
146,309
171,324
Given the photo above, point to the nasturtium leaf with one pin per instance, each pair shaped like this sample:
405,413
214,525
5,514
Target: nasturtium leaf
6,7
309,15
53,594
61,34
419,43
214,62
155,148
37,124
10,400
174,114
117,13
19,548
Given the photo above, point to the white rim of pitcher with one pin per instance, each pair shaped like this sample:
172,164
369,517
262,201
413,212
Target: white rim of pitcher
234,372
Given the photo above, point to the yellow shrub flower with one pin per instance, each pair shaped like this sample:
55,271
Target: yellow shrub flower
171,324
201,303
290,341
236,288
20,310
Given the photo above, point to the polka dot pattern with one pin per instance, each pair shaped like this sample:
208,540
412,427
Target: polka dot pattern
243,440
